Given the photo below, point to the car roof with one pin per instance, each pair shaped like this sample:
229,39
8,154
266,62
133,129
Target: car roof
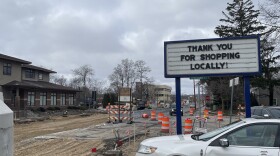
266,107
254,120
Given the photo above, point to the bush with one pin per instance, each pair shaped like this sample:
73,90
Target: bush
83,108
57,108
72,107
41,109
51,108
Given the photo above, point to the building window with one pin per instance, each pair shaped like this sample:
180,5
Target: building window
40,76
62,100
7,69
71,99
43,99
53,99
30,98
29,73
274,102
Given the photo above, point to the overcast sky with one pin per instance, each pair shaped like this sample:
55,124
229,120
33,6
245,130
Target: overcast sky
65,34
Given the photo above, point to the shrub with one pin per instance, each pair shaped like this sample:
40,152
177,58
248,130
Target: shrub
51,108
72,107
41,109
57,108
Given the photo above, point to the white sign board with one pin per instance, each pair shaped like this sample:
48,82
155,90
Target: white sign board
125,98
125,94
223,56
235,80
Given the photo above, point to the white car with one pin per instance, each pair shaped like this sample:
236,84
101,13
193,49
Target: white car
248,137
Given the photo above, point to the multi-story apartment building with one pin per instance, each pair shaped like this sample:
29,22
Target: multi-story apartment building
163,93
157,93
26,86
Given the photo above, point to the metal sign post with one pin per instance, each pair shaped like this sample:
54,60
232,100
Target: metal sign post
178,106
232,83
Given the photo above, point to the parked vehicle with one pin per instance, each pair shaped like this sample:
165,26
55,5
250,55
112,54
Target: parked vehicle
270,112
173,110
242,138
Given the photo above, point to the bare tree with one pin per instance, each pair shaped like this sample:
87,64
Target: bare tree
123,75
271,13
141,72
83,75
58,79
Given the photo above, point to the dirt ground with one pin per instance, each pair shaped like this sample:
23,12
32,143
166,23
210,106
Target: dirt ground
26,145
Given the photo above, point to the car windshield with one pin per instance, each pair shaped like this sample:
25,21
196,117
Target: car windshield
275,112
209,135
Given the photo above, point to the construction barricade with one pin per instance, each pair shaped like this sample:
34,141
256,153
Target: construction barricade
160,116
165,125
153,115
119,113
188,126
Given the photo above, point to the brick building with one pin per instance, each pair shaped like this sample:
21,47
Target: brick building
26,86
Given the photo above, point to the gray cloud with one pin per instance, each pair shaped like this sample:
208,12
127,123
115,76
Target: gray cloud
63,35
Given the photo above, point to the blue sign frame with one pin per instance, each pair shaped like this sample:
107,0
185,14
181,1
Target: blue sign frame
245,75
213,75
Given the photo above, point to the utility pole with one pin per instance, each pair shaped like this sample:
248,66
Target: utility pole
194,98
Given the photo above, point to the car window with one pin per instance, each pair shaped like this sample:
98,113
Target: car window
265,112
275,113
252,111
254,135
258,112
210,135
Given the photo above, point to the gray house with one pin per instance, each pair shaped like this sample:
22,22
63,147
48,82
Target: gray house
26,86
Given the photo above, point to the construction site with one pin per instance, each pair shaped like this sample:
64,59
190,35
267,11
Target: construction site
95,133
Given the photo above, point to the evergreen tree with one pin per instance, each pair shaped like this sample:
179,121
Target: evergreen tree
241,19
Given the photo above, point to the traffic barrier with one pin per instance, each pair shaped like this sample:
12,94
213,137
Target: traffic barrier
153,115
160,116
165,125
206,114
117,113
188,126
220,116
191,111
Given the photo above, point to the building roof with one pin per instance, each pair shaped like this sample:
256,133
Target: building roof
39,85
37,68
6,57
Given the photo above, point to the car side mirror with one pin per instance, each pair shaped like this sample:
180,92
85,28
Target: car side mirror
224,142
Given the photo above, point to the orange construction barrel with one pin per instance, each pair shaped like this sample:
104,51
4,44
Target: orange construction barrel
188,126
220,116
153,115
160,116
206,114
165,125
